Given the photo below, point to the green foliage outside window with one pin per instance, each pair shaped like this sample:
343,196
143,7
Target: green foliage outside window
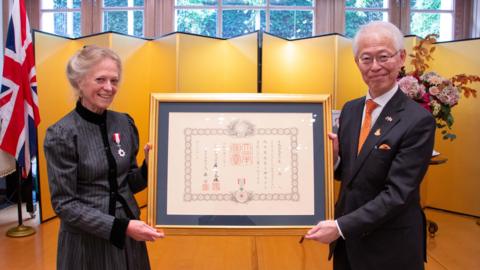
195,2
355,19
63,4
422,24
291,23
238,22
197,21
285,23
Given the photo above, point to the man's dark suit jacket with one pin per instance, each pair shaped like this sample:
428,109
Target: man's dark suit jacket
378,209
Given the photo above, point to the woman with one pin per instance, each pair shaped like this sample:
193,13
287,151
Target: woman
93,173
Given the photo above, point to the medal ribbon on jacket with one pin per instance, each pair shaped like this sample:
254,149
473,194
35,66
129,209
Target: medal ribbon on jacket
116,139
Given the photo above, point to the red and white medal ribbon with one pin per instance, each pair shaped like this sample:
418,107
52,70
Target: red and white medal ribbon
116,139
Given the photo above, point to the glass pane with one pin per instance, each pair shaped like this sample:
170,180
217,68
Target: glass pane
123,3
77,24
422,24
298,3
367,3
355,19
244,2
115,21
54,4
431,4
126,22
237,22
62,23
197,21
138,23
195,2
291,23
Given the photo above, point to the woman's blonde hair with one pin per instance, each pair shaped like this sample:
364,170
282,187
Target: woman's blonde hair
82,61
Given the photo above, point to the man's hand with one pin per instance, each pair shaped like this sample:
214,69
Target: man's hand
334,138
146,150
140,231
325,231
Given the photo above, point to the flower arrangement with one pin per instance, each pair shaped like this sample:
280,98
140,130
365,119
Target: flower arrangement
434,92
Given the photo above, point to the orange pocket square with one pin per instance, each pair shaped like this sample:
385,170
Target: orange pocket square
384,147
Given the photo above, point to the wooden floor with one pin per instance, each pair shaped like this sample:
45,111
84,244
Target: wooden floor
456,245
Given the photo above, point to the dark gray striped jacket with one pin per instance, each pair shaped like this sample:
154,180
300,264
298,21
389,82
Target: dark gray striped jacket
77,149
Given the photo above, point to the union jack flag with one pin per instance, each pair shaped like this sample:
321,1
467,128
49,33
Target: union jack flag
19,114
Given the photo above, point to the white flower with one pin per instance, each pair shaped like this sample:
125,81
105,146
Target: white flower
435,106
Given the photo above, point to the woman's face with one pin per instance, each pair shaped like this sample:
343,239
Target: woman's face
99,86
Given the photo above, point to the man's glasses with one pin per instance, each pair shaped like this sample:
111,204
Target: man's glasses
367,59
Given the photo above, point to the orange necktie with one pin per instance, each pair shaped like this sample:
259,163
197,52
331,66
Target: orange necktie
367,123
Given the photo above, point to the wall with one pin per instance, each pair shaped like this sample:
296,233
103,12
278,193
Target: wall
303,66
190,63
55,98
454,185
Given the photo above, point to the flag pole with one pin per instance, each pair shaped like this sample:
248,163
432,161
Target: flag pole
20,230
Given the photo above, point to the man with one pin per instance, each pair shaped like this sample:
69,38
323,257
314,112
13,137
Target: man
384,144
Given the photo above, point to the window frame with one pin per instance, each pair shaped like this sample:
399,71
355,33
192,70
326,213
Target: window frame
399,14
58,10
159,17
92,15
220,7
103,9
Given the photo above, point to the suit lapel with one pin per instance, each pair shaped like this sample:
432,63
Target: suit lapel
354,133
386,120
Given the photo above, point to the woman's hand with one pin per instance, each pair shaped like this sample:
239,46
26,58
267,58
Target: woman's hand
140,231
146,150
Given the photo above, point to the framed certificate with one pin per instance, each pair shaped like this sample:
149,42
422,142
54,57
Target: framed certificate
239,161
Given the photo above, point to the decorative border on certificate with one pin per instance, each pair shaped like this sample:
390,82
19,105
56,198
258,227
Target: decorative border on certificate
241,154
240,163
241,160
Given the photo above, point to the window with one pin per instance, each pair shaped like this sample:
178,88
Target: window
418,17
432,16
74,18
229,18
123,16
61,17
451,19
358,13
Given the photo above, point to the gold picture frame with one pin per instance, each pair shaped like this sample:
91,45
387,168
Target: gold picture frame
242,164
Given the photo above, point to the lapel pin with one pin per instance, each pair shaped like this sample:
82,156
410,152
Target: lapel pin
389,118
377,132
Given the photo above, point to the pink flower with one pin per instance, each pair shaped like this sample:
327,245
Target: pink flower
449,95
434,90
432,78
411,87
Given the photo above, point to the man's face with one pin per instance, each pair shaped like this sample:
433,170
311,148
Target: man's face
379,62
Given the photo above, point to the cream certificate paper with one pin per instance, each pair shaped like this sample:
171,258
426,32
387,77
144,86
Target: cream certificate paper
240,164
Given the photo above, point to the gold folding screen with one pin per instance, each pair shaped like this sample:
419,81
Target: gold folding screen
322,65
